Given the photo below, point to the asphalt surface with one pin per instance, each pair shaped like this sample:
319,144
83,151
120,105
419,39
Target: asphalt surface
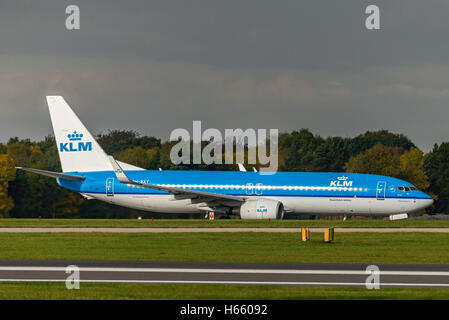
170,230
307,274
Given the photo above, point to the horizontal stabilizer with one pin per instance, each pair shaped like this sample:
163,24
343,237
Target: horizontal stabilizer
53,174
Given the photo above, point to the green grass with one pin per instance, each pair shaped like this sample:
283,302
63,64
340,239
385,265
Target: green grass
228,247
233,223
98,291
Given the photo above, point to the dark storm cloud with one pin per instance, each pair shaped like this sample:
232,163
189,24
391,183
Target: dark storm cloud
157,65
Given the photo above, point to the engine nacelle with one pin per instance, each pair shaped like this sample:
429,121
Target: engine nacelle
262,209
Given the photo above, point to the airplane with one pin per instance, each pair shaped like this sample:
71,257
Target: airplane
88,170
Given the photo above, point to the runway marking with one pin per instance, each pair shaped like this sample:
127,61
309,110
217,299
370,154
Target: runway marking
188,230
237,282
253,271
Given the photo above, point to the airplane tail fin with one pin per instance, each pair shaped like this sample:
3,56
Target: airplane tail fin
77,148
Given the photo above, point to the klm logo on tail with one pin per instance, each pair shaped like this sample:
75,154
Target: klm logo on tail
75,144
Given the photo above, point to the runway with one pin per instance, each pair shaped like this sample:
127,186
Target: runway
307,274
186,230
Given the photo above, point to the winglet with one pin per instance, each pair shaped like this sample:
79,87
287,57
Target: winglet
241,167
121,175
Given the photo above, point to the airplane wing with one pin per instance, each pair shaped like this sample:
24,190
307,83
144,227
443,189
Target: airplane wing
212,200
53,174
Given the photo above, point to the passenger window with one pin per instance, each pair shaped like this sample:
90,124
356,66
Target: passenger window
401,188
407,188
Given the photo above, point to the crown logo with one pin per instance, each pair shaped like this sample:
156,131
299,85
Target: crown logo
342,178
75,136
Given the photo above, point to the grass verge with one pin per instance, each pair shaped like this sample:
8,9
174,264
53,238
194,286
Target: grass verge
112,291
233,223
227,247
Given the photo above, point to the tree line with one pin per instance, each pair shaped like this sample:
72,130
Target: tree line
379,152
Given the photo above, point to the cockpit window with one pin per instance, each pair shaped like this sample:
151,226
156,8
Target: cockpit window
406,189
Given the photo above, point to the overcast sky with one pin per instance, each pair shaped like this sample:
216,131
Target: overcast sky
153,66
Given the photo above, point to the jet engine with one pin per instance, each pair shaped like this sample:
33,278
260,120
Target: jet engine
261,209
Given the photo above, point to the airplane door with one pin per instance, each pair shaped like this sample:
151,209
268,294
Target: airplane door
110,187
380,191
249,188
259,189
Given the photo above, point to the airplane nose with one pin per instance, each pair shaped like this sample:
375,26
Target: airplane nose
427,202
423,201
